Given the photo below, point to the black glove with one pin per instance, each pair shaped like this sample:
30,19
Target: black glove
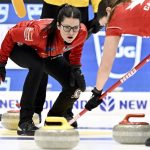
77,78
94,100
2,72
93,25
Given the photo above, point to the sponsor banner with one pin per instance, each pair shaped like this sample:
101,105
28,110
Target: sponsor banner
116,104
15,81
131,51
135,49
127,52
9,16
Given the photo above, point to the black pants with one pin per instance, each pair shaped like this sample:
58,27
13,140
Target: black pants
51,11
58,68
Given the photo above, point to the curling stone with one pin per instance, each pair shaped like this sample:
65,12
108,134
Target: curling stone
10,119
56,134
127,132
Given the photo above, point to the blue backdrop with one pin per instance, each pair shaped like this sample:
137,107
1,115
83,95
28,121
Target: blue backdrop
131,50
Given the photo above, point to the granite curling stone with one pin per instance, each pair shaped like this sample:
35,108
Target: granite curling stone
127,132
56,134
10,119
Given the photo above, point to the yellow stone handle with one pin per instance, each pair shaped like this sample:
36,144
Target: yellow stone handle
19,8
63,123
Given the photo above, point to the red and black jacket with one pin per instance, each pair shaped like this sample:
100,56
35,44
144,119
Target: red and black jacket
30,33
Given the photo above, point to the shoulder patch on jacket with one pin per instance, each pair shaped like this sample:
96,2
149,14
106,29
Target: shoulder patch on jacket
28,33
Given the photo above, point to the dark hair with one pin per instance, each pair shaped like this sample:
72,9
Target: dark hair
102,8
107,3
64,11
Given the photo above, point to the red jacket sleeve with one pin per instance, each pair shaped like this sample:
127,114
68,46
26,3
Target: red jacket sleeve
75,55
76,52
6,49
25,32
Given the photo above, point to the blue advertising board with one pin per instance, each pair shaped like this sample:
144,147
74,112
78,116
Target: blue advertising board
130,52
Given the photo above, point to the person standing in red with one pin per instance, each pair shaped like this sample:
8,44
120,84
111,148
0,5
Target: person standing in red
122,17
38,45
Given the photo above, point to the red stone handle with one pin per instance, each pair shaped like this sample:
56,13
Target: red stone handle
13,111
126,121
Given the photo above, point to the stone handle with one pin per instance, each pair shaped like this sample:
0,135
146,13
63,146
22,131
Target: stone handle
57,123
126,121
